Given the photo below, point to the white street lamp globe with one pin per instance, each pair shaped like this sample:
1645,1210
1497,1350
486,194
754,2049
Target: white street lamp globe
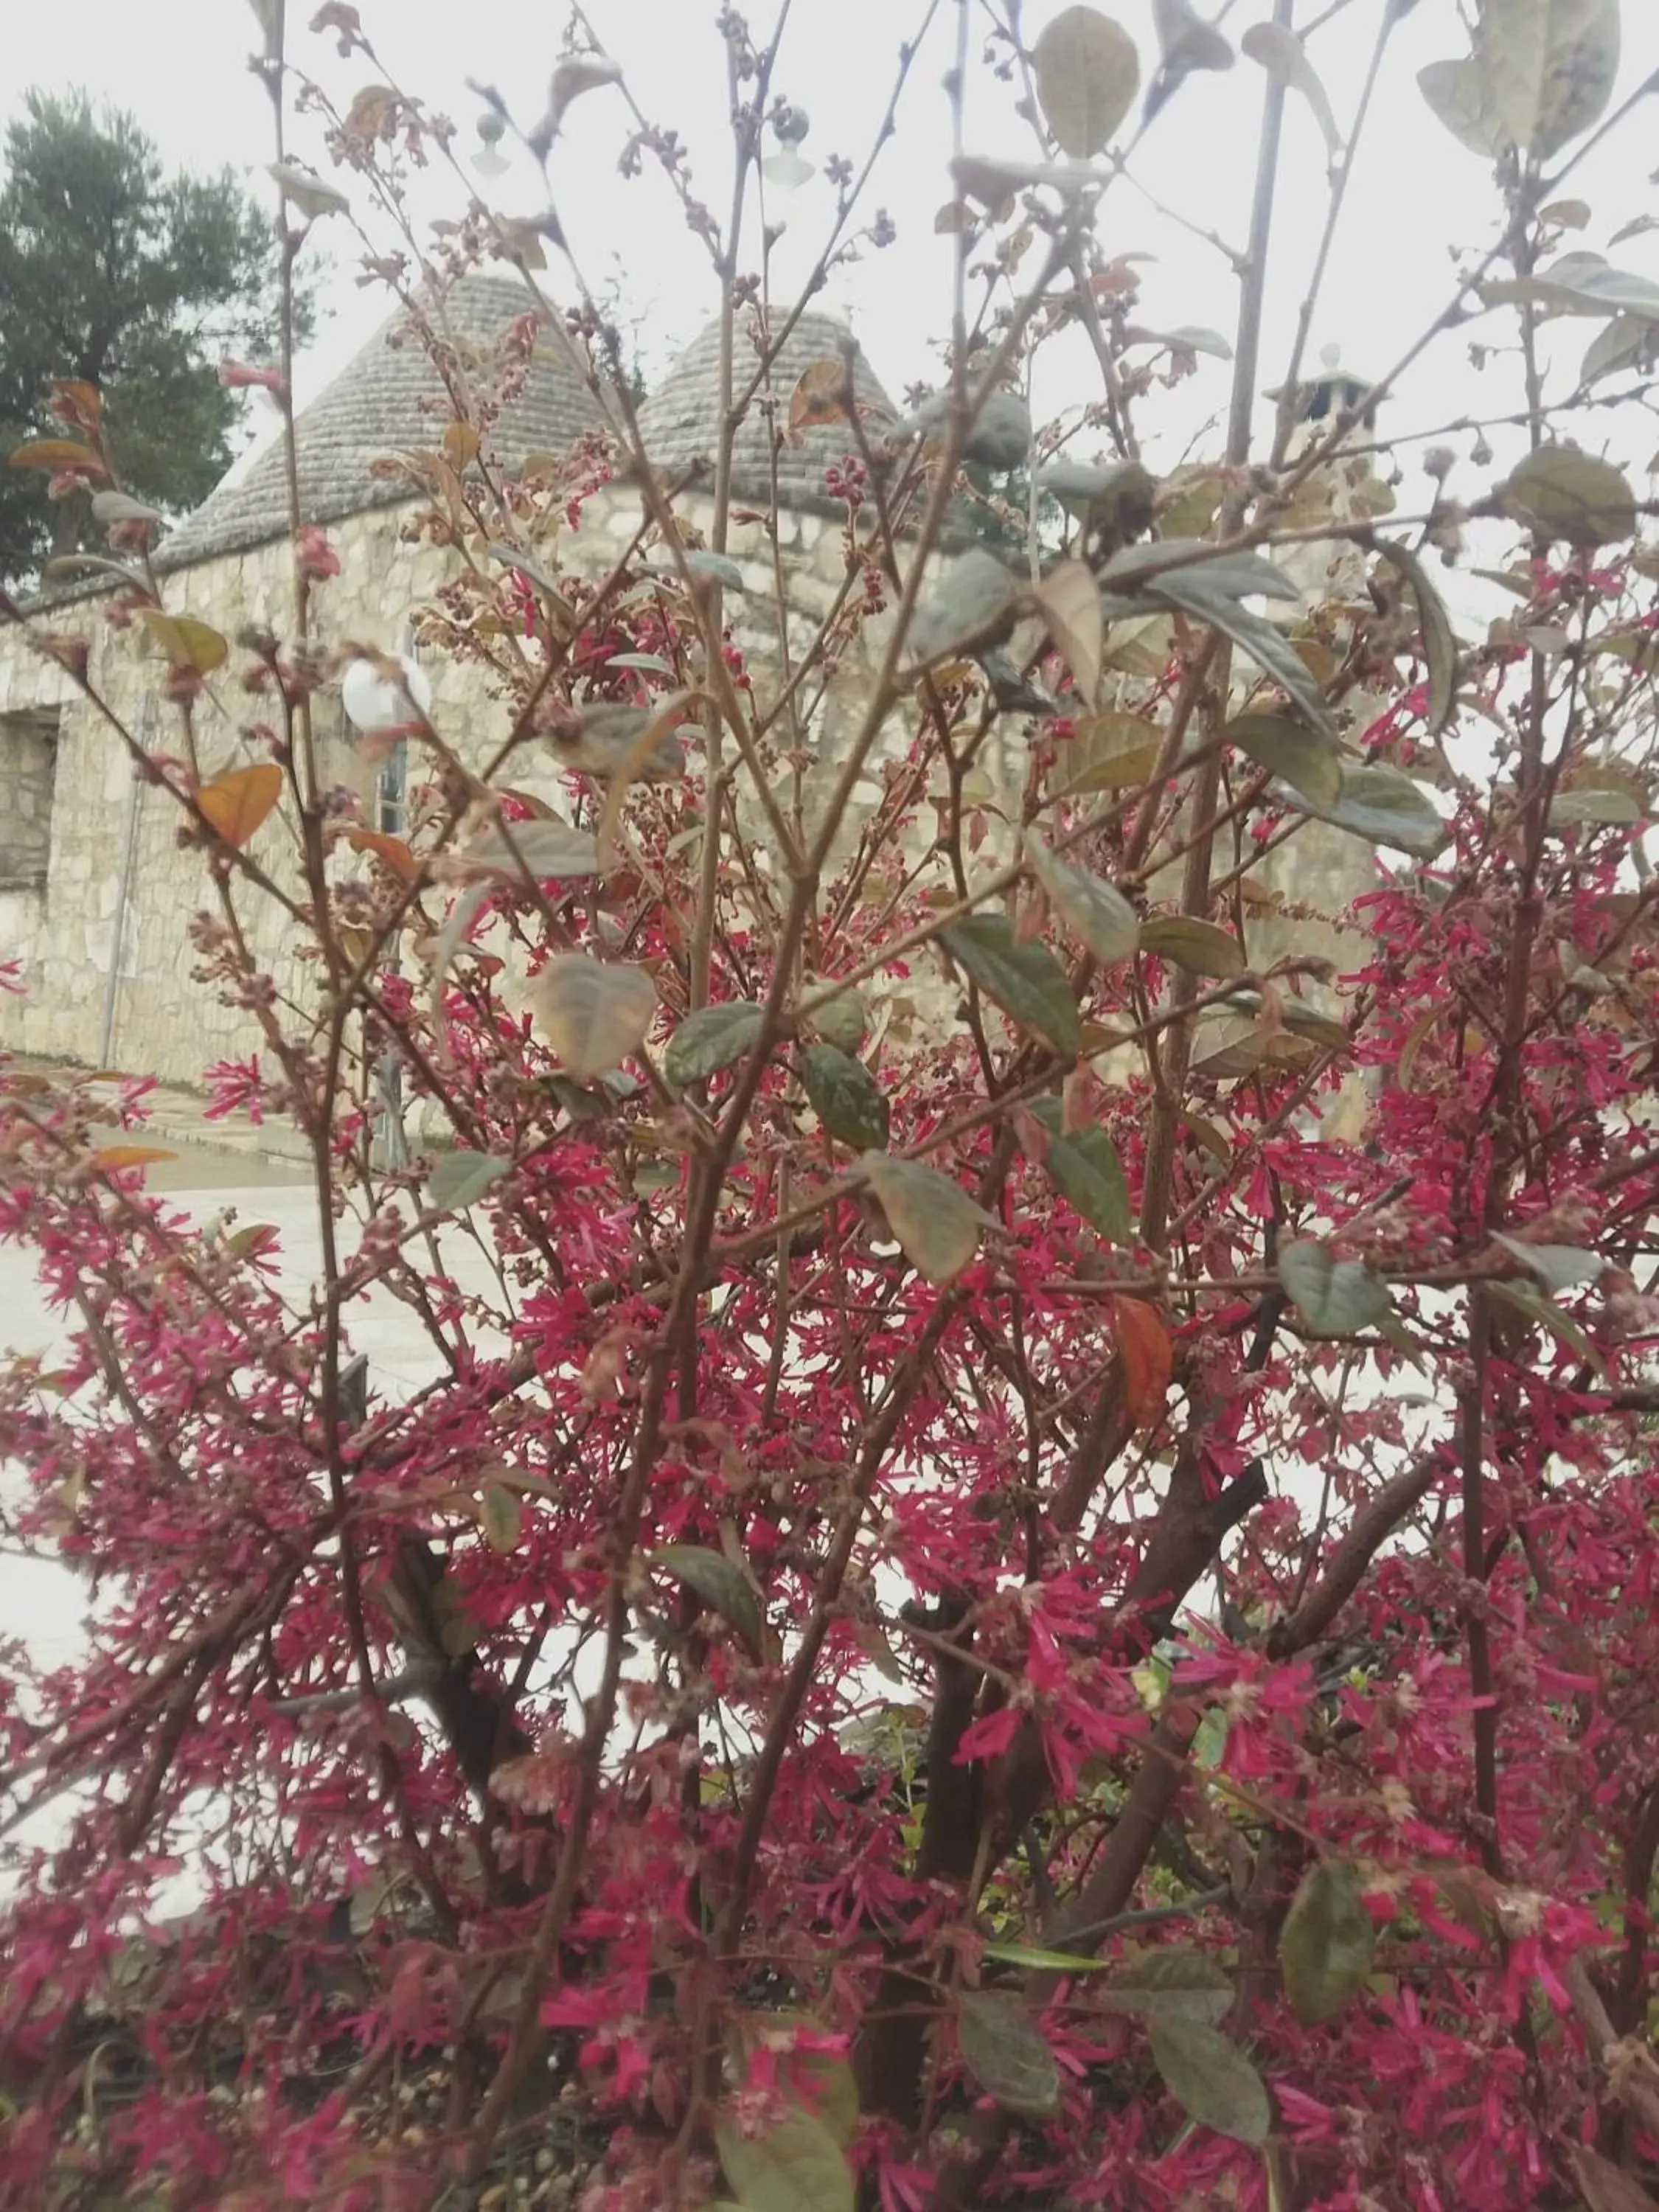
786,172
380,708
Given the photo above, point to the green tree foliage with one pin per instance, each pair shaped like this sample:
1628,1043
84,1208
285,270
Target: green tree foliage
113,272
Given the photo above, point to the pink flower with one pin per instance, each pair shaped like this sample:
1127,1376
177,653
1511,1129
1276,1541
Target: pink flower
240,375
316,557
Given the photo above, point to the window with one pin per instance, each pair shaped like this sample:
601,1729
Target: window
28,770
391,792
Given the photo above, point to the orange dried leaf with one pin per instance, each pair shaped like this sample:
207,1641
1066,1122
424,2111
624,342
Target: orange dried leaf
131,1156
238,803
55,454
372,109
392,851
1148,1357
460,445
822,394
71,393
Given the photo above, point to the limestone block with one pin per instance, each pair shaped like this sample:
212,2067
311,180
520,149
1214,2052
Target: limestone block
829,558
816,593
752,541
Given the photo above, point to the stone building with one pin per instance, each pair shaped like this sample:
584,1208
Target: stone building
96,895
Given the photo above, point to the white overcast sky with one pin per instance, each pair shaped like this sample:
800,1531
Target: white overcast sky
180,66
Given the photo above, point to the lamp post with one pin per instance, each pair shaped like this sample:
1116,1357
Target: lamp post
387,711
788,170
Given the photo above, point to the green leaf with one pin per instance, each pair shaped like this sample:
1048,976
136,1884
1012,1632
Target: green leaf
1007,2054
1235,575
1025,980
1087,73
187,643
1335,1296
547,849
1305,1021
1523,1298
1281,53
1210,1743
112,507
819,2083
1101,917
1624,341
1305,759
1086,1166
653,664
845,1098
840,1021
1107,752
1111,493
710,1040
1546,68
1199,947
1453,91
1169,1978
1328,1942
796,2165
1186,42
1558,1267
974,600
1210,2078
1068,600
719,566
594,1012
723,1588
1559,492
313,195
1189,337
1386,807
933,1219
458,1180
1439,645
1603,805
501,1515
1188,590
1036,1960
1580,283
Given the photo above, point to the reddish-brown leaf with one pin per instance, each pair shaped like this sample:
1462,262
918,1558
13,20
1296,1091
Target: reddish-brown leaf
131,1156
822,395
55,454
1148,1359
392,851
76,403
371,109
238,803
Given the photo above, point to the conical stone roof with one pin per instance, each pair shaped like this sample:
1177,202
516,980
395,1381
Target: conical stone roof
680,422
380,403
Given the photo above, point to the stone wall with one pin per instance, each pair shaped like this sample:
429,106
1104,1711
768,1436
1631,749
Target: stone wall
104,940
100,923
28,765
104,937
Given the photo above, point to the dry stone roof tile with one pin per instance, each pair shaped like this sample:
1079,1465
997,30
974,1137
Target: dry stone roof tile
680,422
382,402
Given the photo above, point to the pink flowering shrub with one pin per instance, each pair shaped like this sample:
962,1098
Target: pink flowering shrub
1027,1571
